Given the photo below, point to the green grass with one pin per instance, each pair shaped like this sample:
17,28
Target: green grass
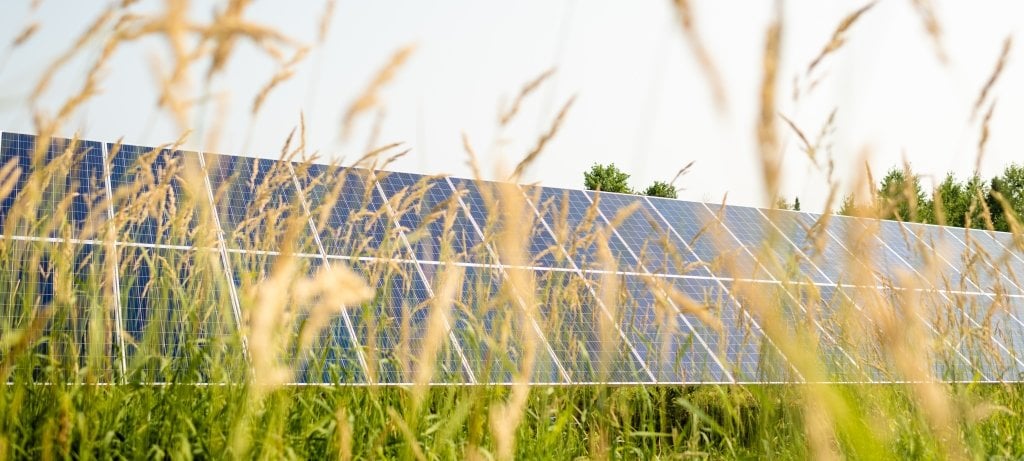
183,421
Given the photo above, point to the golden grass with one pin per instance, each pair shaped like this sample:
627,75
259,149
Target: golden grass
902,328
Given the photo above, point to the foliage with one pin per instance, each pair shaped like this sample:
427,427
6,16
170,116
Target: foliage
1006,197
959,204
782,204
900,197
661,189
607,178
975,203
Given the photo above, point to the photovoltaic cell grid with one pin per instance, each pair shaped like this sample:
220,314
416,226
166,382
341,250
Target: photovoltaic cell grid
610,281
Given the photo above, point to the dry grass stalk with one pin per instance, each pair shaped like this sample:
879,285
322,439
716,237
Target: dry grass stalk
682,172
450,282
839,35
93,31
325,21
344,431
542,141
809,149
370,96
767,136
28,32
707,64
507,115
282,75
926,11
994,77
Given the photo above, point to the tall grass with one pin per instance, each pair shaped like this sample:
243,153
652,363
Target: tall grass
201,305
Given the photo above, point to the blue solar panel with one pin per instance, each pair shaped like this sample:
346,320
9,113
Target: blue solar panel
312,336
953,260
989,263
434,221
258,204
177,317
799,314
860,238
67,192
912,254
57,296
494,330
584,335
991,359
740,343
708,239
394,326
348,212
658,250
577,224
934,345
960,288
157,195
544,247
1013,257
673,348
756,233
811,232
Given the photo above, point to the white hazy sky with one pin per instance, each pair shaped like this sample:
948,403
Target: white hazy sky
642,102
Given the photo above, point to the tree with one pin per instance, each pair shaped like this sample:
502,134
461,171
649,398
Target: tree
900,197
850,207
607,178
959,203
660,189
782,204
1006,197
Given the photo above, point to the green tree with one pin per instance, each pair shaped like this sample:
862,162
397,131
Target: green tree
661,189
607,178
782,204
1006,197
900,197
850,207
959,203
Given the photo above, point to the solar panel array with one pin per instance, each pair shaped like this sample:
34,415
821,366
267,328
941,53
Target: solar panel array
147,264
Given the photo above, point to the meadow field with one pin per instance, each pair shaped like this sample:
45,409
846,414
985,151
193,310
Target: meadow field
157,302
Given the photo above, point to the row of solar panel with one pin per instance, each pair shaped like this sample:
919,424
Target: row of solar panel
157,200
174,322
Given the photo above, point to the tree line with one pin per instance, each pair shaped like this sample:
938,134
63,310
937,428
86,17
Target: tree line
609,178
973,202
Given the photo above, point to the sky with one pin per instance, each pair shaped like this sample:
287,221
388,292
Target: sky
641,100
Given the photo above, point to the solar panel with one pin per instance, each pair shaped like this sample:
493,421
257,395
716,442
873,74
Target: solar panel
156,200
348,211
708,239
498,335
672,347
258,204
178,322
613,288
657,250
436,225
572,215
54,299
63,199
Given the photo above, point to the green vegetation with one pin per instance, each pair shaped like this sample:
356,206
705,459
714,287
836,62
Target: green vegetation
607,178
660,189
995,204
610,178
189,345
